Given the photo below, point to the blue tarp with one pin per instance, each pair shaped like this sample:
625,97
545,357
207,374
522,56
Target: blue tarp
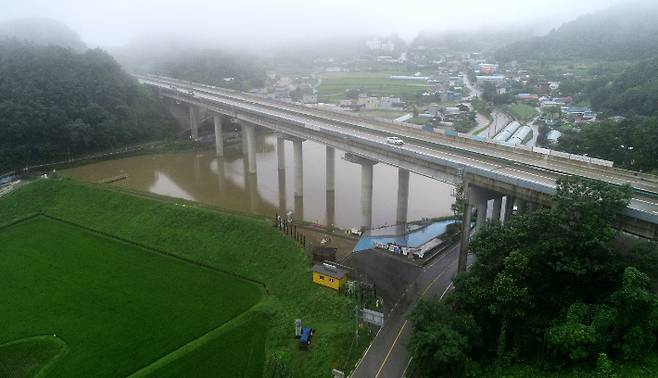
411,239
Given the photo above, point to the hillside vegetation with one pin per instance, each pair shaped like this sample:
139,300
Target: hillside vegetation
41,31
56,103
633,92
625,31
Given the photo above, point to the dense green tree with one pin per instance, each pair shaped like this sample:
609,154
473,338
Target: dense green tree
549,286
633,92
631,143
215,67
56,103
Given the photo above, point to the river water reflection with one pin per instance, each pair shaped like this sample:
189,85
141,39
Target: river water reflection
202,177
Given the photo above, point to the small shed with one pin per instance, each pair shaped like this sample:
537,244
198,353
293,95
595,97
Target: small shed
329,275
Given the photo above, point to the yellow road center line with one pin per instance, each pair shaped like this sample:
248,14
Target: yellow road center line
391,349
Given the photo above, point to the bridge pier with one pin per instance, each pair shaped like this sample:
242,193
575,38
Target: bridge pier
509,207
252,187
194,121
466,229
366,195
219,134
280,153
281,165
475,198
243,138
366,187
331,168
299,167
330,203
250,131
221,180
497,203
283,206
403,196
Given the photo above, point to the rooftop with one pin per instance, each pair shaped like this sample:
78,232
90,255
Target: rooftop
329,270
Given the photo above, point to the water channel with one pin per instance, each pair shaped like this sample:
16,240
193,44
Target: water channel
202,177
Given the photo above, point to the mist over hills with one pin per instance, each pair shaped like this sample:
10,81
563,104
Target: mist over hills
42,31
626,31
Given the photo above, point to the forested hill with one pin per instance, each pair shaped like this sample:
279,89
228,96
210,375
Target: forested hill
41,31
622,32
633,92
56,103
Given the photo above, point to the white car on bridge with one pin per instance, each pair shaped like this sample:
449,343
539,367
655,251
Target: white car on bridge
394,140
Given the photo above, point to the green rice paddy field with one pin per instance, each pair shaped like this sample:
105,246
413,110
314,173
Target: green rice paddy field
115,307
335,84
100,283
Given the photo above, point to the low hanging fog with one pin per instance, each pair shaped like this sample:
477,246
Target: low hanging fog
258,24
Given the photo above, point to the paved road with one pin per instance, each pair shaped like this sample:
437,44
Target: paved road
500,120
388,357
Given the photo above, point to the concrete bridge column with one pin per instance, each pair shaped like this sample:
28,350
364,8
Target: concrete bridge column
331,168
221,173
243,138
251,182
466,229
403,196
509,207
481,207
496,206
281,165
280,153
474,199
299,167
330,202
194,121
251,146
219,135
366,187
366,195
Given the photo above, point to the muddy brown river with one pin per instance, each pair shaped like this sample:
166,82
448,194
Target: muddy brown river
202,177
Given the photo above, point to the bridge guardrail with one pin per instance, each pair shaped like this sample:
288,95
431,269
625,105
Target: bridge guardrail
603,165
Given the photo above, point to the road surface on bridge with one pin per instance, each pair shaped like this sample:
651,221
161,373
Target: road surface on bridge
525,167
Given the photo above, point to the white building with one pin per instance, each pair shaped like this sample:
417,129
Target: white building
380,45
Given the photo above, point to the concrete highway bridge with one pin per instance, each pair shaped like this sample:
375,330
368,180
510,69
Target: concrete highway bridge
495,177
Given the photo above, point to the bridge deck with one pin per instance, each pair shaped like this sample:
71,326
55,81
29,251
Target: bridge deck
533,170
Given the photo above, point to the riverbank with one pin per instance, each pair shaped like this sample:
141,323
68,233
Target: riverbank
241,245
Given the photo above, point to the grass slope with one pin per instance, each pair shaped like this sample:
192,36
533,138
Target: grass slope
245,246
236,350
30,356
117,307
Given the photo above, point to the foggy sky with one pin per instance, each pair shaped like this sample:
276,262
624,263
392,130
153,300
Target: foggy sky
256,23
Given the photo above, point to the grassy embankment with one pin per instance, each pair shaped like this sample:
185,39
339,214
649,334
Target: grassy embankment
334,85
240,245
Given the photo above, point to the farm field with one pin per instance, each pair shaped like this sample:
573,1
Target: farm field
114,307
523,112
246,246
334,85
